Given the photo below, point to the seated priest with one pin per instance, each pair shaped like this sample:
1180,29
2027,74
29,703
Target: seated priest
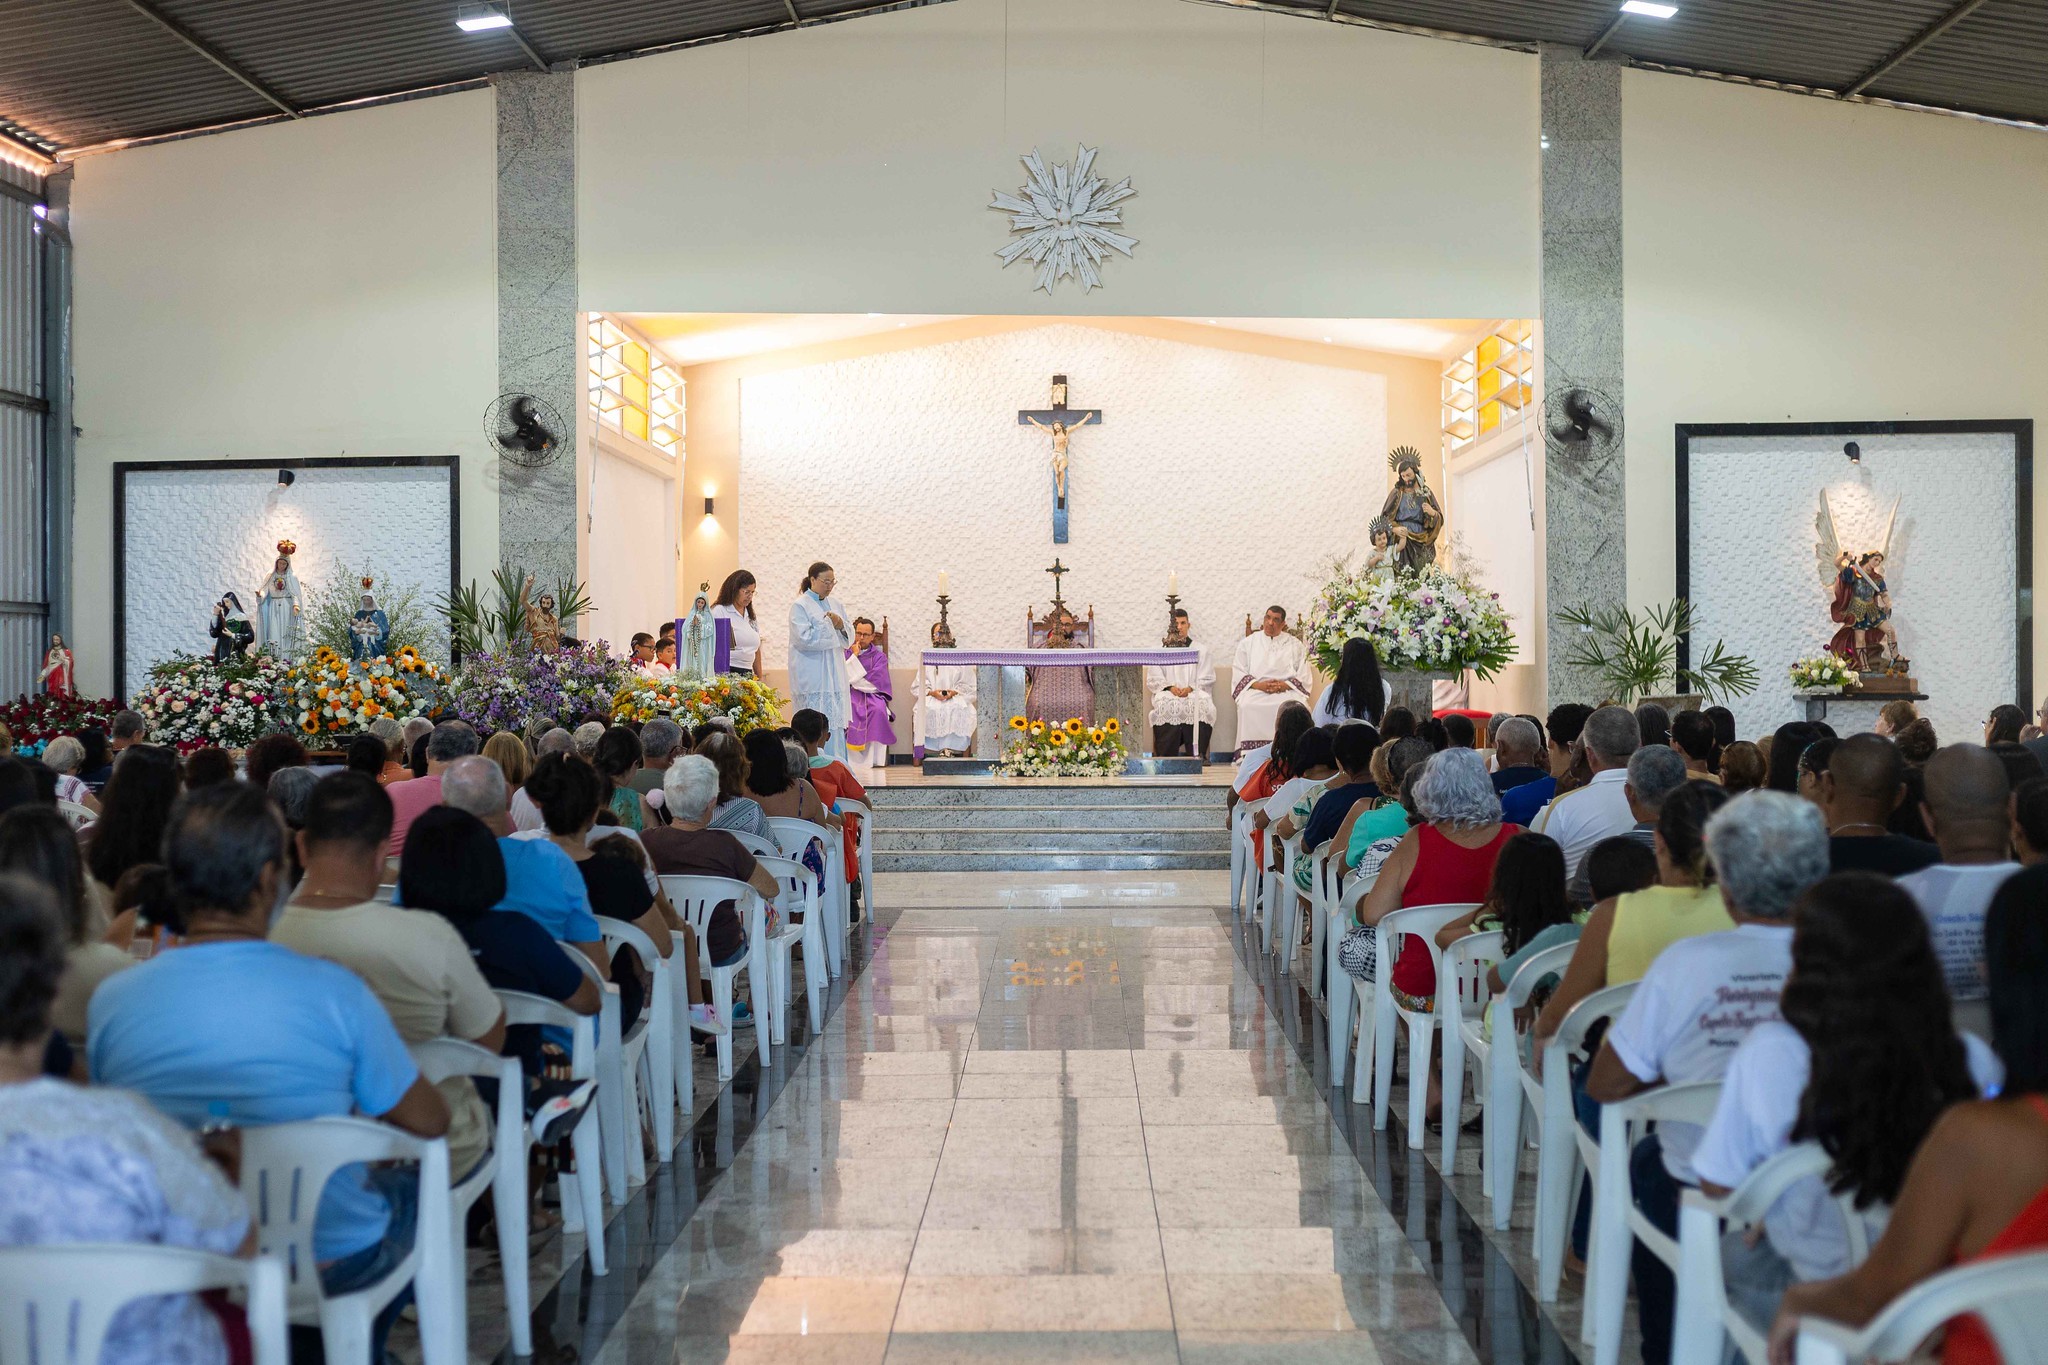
1272,670
1183,701
945,706
870,724
1057,695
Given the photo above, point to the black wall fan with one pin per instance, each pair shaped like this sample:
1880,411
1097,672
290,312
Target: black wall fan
1579,420
525,430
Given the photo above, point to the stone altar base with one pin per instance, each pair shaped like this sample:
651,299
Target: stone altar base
1135,767
973,824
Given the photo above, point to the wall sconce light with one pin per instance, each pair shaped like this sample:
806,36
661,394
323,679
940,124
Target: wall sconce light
708,505
285,478
1854,452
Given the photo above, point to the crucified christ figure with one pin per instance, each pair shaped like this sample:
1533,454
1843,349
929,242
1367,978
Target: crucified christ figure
1061,432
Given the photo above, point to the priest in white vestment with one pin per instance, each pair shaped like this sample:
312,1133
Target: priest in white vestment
1271,670
1183,696
818,638
945,708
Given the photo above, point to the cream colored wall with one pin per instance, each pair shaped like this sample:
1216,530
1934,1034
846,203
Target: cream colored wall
318,288
1790,259
1282,168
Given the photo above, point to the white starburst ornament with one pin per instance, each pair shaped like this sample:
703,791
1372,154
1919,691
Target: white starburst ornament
1061,219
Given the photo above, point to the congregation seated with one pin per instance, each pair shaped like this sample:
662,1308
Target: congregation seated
1692,735
455,869
1628,930
1565,726
1309,769
1351,750
661,740
585,738
65,756
689,846
1654,772
736,810
1653,723
92,1164
272,753
1787,746
98,764
1742,767
392,736
1358,692
232,1028
1978,1185
1583,816
2018,761
1369,824
2030,822
37,843
1967,807
510,753
445,743
2004,724
1525,902
526,817
414,962
1864,1061
617,758
365,755
832,780
134,808
1864,784
1517,754
1700,997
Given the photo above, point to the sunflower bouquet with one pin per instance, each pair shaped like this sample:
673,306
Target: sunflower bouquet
748,703
1073,749
333,696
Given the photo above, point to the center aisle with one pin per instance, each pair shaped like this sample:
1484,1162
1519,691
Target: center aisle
1053,1121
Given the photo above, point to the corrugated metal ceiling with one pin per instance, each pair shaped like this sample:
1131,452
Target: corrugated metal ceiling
76,74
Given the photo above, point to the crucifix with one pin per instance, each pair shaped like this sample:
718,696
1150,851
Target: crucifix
1059,603
1061,421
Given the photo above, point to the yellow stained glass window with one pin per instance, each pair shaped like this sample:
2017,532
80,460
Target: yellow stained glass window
632,392
1485,385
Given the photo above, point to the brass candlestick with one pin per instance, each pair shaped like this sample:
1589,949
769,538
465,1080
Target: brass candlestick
942,634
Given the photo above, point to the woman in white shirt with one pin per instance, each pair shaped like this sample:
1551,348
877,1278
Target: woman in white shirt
737,647
1358,692
1864,1061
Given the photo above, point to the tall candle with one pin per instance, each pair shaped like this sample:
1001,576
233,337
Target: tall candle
945,589
1172,583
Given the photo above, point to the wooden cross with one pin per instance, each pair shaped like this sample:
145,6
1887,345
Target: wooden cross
1057,569
1060,420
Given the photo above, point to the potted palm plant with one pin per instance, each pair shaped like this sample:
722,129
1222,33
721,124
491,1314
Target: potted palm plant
1633,656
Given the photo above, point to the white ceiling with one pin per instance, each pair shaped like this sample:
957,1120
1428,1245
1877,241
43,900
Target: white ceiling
695,338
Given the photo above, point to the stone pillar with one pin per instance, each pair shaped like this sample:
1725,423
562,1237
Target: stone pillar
539,342
1584,496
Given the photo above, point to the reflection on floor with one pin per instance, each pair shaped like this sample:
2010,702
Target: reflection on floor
1053,1118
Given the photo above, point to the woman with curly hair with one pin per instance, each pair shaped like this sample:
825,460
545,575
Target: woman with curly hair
1864,1060
1977,1187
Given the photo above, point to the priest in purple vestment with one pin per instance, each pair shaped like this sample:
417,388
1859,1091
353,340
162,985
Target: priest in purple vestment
1057,695
869,732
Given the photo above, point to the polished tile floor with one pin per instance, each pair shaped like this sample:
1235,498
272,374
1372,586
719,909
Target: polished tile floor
1055,1119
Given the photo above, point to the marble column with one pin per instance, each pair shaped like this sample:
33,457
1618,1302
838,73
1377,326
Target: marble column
1584,494
539,345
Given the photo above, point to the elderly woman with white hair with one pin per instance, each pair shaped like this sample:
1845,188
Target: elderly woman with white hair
1700,999
65,756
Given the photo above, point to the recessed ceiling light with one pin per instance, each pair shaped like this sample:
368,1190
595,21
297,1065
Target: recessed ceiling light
481,18
1326,339
1649,9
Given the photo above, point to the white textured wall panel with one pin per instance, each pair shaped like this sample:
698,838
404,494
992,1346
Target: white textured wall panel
195,534
1756,583
1245,473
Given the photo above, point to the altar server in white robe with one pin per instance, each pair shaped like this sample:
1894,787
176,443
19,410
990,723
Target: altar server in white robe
1183,696
945,708
1271,669
818,637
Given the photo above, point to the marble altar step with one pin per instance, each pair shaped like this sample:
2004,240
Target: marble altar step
1000,826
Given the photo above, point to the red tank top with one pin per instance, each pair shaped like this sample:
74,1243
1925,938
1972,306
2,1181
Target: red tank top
1446,873
1967,1342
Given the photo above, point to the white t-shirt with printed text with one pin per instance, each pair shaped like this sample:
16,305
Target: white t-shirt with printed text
1954,898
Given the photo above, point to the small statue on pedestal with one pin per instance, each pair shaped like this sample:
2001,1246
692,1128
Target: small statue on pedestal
369,629
1860,604
543,627
231,632
56,674
277,606
1414,517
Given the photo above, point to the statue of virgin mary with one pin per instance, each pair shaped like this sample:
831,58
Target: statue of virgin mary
277,606
697,641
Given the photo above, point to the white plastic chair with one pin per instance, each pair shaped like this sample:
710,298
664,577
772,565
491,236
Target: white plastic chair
1617,1224
77,816
1244,866
834,899
799,895
1703,1313
622,1159
284,1168
694,899
56,1302
1322,880
864,846
1562,1145
1461,999
2005,1293
582,1199
1281,924
1388,1015
1350,1004
1511,1088
755,844
647,1050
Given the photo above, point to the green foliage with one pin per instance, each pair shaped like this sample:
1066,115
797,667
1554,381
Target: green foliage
480,622
1636,656
330,606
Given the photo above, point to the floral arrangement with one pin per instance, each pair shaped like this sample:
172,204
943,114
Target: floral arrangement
333,696
1433,620
36,718
513,685
1075,749
748,703
192,702
1822,672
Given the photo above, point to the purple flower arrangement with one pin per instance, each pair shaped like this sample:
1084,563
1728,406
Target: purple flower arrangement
510,688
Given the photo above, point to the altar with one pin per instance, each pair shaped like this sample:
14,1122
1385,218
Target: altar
999,686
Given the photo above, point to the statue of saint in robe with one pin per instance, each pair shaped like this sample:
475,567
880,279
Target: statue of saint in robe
231,632
1414,516
369,629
